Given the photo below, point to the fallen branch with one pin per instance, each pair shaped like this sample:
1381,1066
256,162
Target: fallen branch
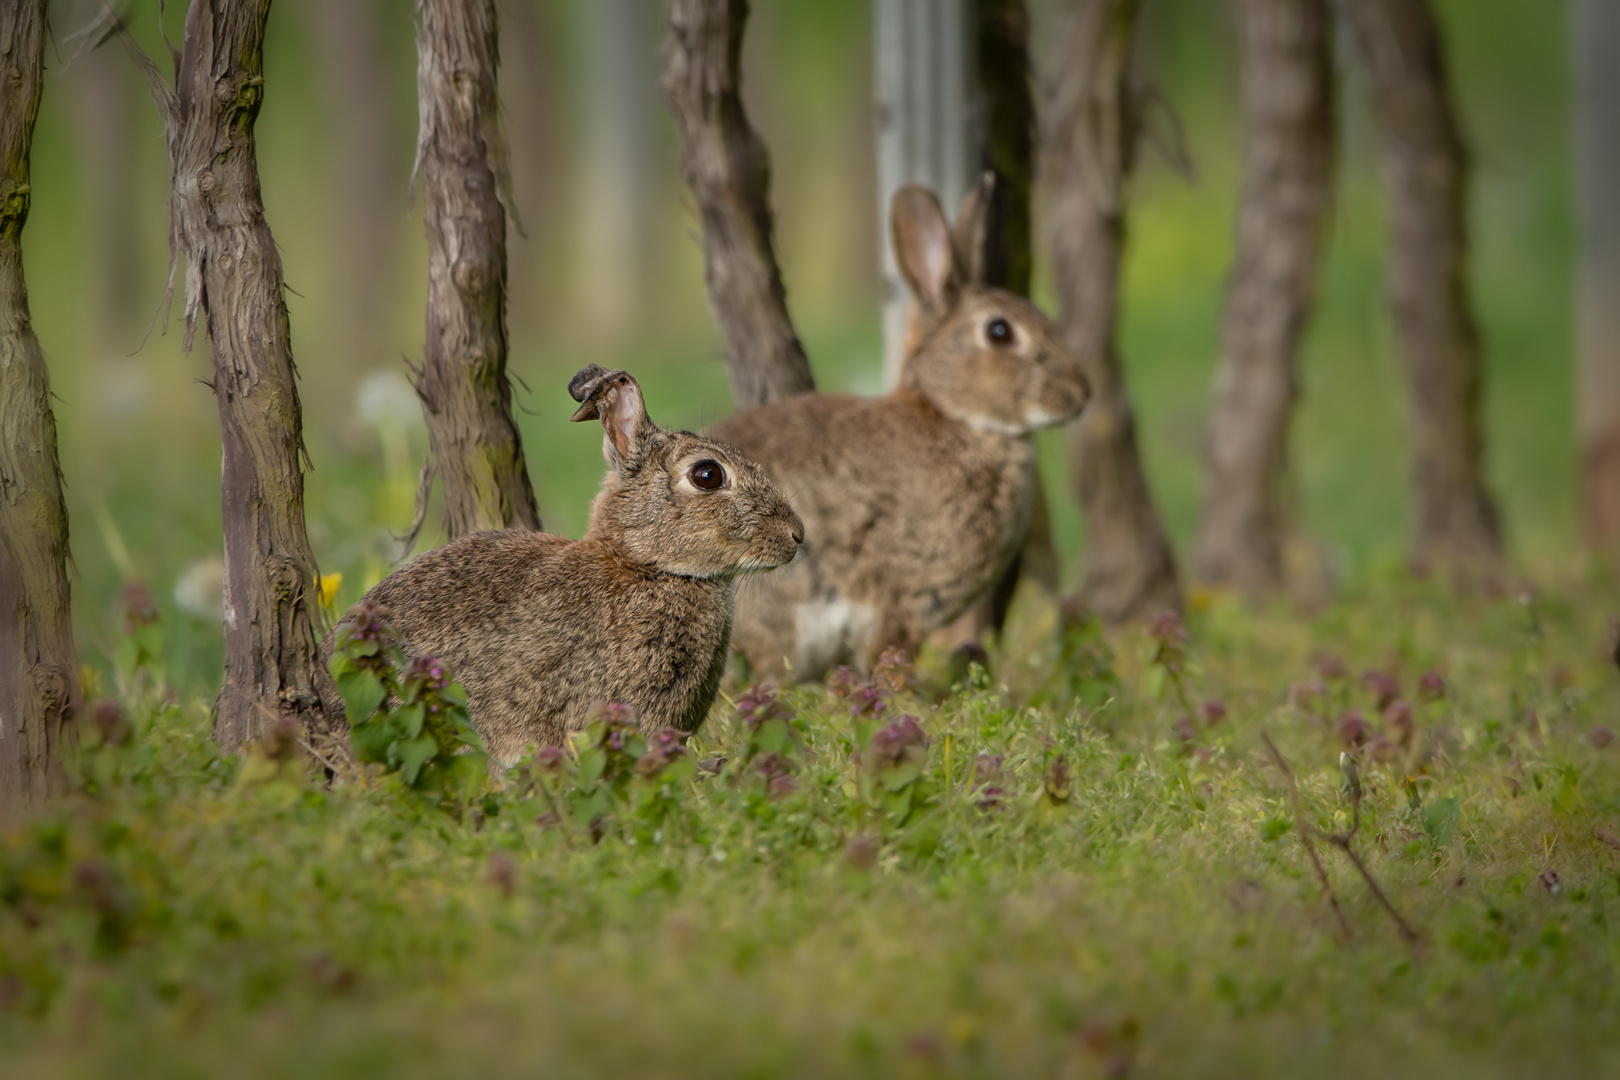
1304,833
1342,842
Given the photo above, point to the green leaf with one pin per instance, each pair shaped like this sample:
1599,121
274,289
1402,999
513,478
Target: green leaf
413,753
1440,820
898,776
362,693
408,720
1156,676
371,740
592,763
771,736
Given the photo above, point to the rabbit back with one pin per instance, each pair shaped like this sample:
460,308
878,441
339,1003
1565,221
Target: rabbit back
537,629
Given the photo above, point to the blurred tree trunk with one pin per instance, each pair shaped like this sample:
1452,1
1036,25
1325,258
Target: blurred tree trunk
1091,139
1595,27
1006,138
105,128
729,170
348,35
1425,172
233,278
39,666
465,391
1288,106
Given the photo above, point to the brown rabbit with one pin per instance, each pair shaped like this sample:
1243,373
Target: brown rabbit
915,503
639,610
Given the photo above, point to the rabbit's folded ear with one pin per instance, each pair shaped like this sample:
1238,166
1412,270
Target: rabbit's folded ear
971,234
614,398
922,247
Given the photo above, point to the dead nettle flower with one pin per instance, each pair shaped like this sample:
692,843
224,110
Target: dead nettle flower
1398,723
111,721
366,635
1057,785
1170,632
1431,685
139,607
1384,686
425,679
1307,695
760,704
986,782
777,772
842,683
1600,737
619,721
550,761
1351,729
1214,712
868,700
862,851
1186,730
897,742
502,873
1330,667
664,747
894,672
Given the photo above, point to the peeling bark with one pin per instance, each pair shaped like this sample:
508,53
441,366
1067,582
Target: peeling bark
39,665
1248,511
728,168
1425,176
233,279
1090,144
461,157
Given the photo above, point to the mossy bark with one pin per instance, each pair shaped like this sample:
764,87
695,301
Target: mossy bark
729,170
39,665
463,383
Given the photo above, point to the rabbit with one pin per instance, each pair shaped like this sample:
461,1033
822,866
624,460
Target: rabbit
538,628
915,503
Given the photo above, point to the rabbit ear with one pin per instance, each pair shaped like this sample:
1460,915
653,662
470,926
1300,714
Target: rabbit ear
971,233
922,247
614,398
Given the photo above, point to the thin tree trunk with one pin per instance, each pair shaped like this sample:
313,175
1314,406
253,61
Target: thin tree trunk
1425,171
465,391
233,278
39,666
1288,106
1006,138
1595,27
728,168
1090,141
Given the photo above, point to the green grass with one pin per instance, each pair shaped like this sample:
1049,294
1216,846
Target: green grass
188,915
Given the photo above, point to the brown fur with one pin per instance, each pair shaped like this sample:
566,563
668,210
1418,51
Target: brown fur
639,610
915,503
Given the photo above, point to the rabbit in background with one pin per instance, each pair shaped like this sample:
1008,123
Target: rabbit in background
537,628
914,503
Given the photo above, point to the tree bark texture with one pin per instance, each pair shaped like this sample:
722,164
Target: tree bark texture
728,168
1595,30
1287,190
466,394
233,279
1006,122
1090,142
39,666
1425,176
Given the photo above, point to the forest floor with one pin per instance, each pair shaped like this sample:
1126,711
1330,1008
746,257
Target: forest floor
1088,865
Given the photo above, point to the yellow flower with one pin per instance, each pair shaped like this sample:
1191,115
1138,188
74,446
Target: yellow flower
327,590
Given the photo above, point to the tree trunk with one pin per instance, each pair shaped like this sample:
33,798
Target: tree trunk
39,666
1091,135
729,171
1425,172
466,394
1288,105
233,277
1595,26
1006,138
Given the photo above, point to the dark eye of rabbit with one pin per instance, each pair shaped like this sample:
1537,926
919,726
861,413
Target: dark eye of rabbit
706,475
999,331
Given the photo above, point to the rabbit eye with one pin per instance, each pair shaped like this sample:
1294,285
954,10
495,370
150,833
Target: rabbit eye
999,331
707,475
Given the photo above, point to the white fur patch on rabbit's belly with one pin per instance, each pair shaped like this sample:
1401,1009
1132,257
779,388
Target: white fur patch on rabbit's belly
827,630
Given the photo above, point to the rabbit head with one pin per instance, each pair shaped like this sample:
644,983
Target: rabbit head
675,501
983,356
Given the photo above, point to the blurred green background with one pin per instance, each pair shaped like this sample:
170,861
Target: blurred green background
608,270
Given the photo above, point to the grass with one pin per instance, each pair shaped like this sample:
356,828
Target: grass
1151,913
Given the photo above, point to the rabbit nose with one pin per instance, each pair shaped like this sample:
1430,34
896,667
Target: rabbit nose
798,533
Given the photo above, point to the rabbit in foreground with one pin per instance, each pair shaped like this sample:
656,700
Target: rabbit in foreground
915,503
639,610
